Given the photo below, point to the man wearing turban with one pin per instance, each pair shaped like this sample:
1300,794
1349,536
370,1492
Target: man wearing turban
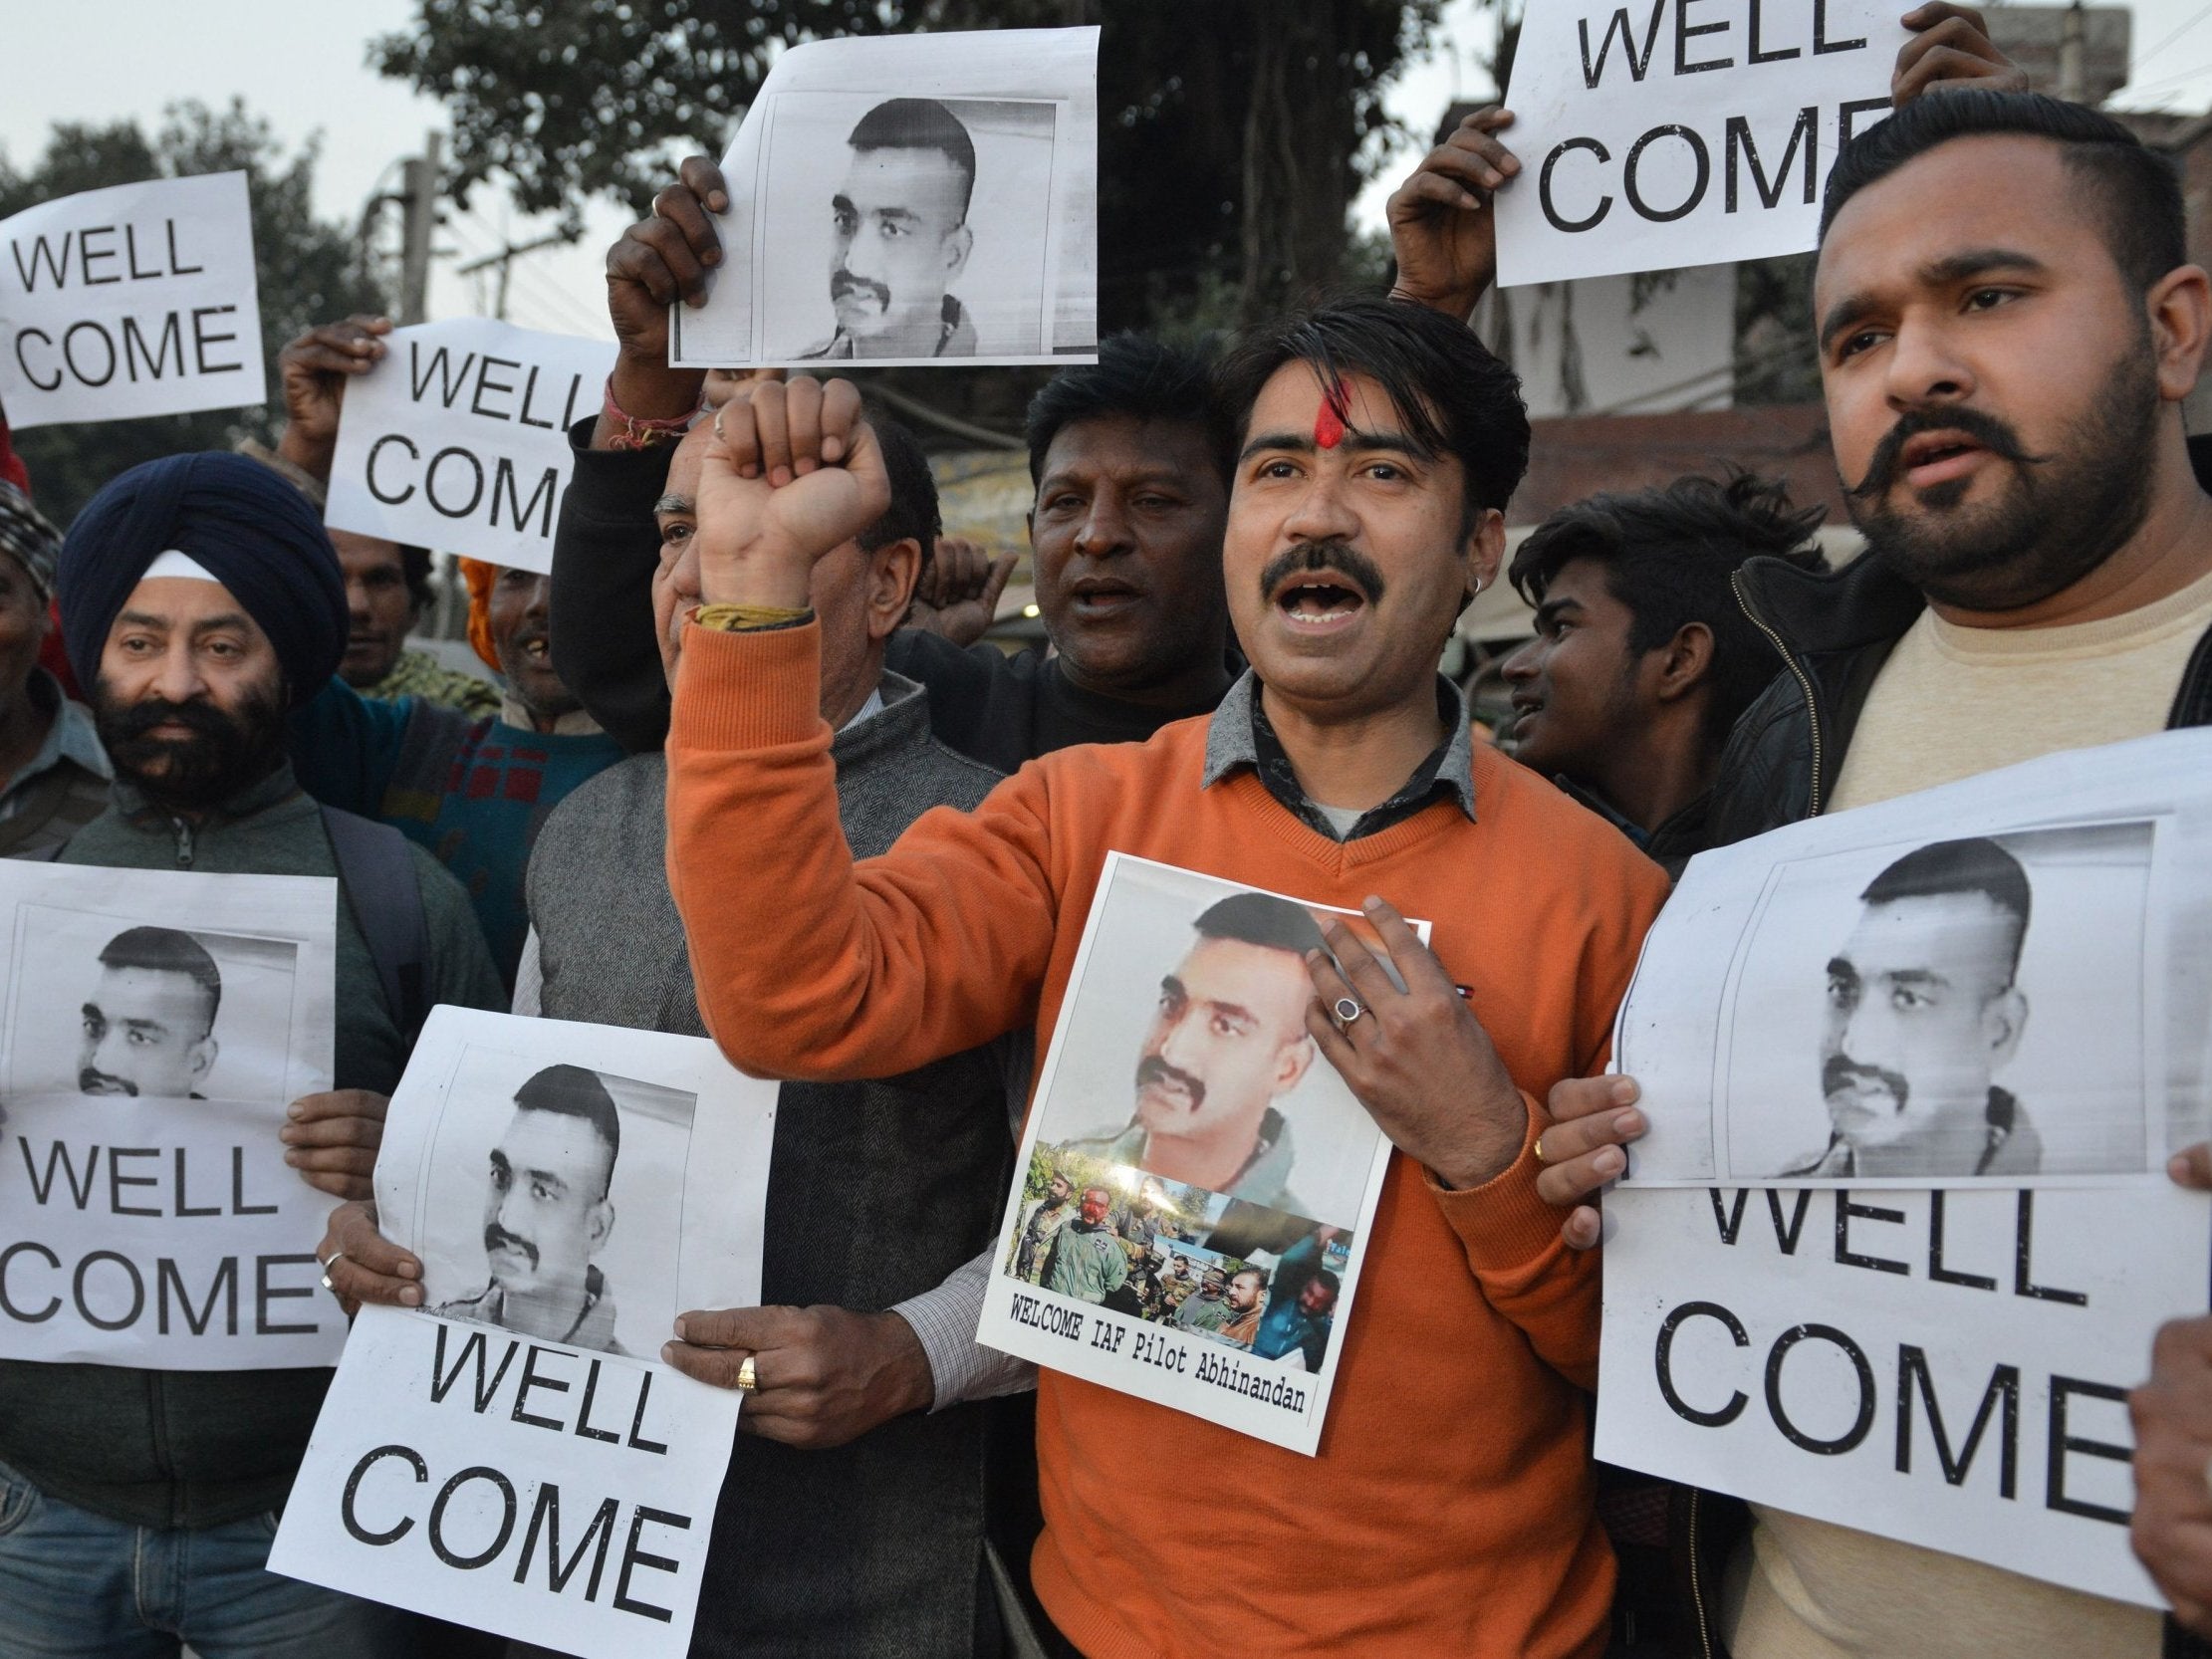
200,601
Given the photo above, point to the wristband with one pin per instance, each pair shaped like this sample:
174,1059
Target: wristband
750,618
642,434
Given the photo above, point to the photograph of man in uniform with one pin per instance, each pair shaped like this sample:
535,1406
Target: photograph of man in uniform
903,236
1228,1041
1041,1223
1208,1310
547,1214
1088,1261
1922,1009
149,1021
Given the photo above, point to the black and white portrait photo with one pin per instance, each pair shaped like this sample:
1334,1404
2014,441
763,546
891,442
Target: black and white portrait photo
947,217
555,1205
158,1008
1966,1008
1183,1051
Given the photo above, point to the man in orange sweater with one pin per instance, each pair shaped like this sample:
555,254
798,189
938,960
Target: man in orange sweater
1452,1491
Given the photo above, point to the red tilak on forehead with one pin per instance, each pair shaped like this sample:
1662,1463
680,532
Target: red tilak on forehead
1328,419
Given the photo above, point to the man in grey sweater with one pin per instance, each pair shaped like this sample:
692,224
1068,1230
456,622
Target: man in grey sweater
851,1519
199,596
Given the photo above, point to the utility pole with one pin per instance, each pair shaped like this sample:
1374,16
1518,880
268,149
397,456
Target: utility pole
419,196
505,260
2072,78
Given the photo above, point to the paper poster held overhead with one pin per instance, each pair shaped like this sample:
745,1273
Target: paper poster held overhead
136,299
458,439
1659,134
905,200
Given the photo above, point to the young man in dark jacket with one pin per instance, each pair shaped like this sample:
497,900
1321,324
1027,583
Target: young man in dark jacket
2003,381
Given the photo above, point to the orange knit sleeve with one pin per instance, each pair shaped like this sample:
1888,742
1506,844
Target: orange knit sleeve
808,965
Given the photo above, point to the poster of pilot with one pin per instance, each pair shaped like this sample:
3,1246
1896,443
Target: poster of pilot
909,200
154,1025
1196,1182
2001,981
575,1184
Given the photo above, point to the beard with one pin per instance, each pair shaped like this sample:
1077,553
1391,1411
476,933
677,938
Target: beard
2059,518
227,750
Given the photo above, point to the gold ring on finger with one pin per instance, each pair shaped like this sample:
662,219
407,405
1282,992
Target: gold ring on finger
1537,1148
747,1377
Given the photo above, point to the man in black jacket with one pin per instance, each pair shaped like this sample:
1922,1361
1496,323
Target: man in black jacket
2003,381
1130,460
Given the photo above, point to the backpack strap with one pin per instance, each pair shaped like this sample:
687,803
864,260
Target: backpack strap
377,870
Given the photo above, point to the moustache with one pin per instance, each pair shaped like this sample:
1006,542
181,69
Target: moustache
89,1081
1341,556
1985,429
203,719
1839,1072
1153,1069
843,285
497,1237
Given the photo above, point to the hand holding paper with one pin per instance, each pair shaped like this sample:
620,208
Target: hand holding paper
822,1377
1950,47
1418,1059
1442,232
372,1267
332,1140
794,474
660,260
312,371
2172,1417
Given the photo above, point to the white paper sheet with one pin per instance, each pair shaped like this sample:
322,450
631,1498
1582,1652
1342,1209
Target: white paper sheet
1944,1368
136,299
515,1456
2006,979
156,1026
458,439
960,229
1164,1032
1658,134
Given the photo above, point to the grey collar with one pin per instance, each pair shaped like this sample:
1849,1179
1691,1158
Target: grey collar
1232,738
901,722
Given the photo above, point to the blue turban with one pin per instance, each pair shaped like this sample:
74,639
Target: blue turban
244,524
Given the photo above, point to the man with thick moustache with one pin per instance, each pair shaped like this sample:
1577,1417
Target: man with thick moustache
1130,459
2004,383
1379,445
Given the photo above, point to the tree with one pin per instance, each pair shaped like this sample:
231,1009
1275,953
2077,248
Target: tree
1231,142
307,272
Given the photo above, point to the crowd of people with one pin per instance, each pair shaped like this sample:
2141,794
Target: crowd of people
1248,568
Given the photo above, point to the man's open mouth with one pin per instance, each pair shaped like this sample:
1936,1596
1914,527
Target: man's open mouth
536,650
1932,458
1102,595
1318,600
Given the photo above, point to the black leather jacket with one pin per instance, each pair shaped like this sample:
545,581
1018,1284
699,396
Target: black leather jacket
1834,630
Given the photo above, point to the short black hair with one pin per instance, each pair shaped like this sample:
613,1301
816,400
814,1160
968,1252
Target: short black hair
919,124
576,1091
1139,376
2136,187
1455,397
1669,556
1974,866
167,950
414,565
1261,919
913,509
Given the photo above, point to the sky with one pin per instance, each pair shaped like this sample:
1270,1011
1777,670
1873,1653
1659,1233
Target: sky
303,65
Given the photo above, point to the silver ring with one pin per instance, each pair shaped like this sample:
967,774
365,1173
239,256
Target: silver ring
337,1256
1347,1009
